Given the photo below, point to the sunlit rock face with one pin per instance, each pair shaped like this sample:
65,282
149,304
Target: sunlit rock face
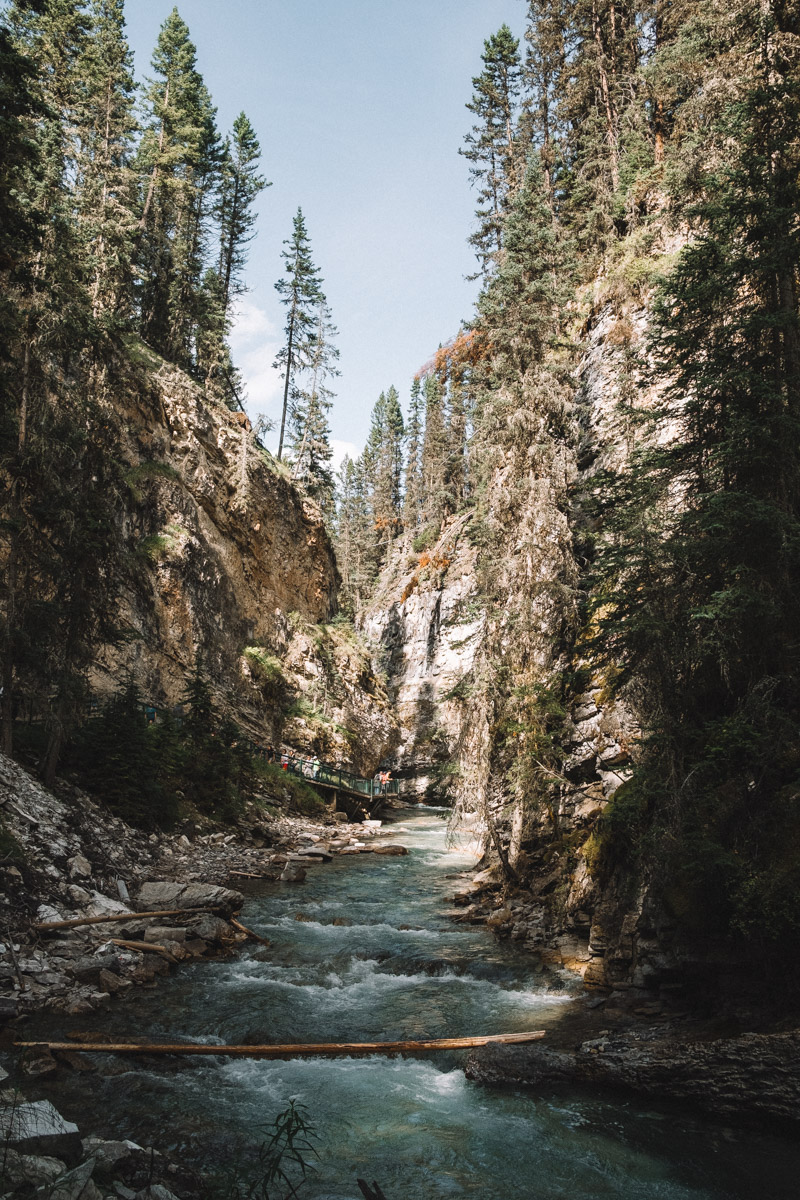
231,567
440,623
424,625
223,546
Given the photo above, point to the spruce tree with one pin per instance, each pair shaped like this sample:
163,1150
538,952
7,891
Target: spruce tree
412,502
351,526
490,146
301,293
519,310
240,185
436,500
178,162
105,183
545,64
383,464
309,432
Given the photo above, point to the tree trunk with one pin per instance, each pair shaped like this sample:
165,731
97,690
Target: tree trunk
611,122
286,383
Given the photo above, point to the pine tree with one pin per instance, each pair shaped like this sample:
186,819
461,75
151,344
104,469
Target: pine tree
301,292
490,145
240,185
383,463
395,432
105,181
412,504
178,162
354,534
545,64
519,310
602,110
436,500
309,433
120,757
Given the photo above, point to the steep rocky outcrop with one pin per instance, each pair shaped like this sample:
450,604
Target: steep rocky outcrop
226,546
442,624
231,566
425,623
751,1075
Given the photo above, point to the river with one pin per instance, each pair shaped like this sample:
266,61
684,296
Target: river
371,958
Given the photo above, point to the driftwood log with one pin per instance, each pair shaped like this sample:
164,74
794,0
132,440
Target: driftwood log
143,947
255,936
74,922
290,1049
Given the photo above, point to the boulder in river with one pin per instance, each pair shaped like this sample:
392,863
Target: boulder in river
750,1074
293,872
39,1128
393,850
158,895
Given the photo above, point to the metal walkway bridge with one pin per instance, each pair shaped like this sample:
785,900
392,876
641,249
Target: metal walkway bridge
320,774
310,770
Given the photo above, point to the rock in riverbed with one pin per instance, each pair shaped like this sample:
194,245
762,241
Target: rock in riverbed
754,1074
159,895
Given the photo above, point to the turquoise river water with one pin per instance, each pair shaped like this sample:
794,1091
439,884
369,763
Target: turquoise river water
399,969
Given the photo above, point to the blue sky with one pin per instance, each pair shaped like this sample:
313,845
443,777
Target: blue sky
359,109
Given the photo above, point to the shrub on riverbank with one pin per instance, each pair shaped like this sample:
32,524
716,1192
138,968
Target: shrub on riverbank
280,783
151,772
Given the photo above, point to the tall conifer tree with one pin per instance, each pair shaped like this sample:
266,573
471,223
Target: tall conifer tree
301,293
310,433
240,185
178,162
490,146
412,502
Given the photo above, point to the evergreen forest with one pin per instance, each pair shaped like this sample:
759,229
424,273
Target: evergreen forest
530,660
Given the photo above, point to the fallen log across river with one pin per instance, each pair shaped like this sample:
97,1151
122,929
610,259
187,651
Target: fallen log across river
291,1049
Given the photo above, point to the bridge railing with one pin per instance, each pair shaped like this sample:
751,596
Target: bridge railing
315,771
310,769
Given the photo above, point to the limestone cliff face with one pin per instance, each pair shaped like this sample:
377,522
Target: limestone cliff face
340,708
443,630
229,563
425,625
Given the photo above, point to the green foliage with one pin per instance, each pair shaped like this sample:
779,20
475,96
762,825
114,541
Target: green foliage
154,547
284,1158
301,293
123,759
146,471
106,240
695,601
617,838
444,779
310,404
268,666
148,770
426,538
213,761
302,796
491,146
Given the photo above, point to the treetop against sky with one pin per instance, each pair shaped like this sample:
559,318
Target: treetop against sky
359,107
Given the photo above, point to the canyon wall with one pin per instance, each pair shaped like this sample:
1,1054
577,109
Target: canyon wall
448,625
230,566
